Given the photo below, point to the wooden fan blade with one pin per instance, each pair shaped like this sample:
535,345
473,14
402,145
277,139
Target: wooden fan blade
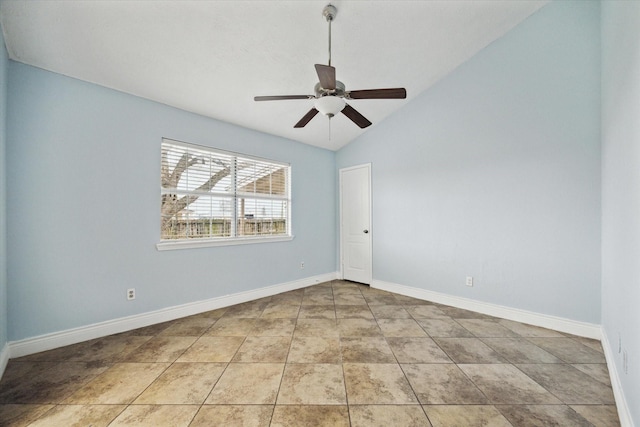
394,93
327,76
355,117
281,97
307,118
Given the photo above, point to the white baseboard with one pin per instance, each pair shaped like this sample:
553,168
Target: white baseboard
4,359
98,330
561,324
621,402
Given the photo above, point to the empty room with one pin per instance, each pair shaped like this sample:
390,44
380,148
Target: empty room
313,213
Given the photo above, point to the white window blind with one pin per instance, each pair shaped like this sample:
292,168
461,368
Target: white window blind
210,194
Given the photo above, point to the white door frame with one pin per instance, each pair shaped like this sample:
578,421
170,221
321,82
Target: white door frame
341,171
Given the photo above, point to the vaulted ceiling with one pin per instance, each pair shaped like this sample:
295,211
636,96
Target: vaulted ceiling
213,57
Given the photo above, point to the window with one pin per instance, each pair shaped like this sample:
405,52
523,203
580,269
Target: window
212,197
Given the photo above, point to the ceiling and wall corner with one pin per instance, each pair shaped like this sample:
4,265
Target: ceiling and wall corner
212,58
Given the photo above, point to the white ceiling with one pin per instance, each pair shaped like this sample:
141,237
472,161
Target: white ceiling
213,57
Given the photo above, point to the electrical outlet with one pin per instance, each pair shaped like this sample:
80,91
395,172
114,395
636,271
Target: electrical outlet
301,265
469,281
625,362
131,294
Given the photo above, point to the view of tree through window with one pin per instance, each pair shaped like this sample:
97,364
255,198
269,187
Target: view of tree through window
215,194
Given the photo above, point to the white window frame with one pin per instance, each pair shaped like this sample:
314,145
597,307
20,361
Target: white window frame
190,243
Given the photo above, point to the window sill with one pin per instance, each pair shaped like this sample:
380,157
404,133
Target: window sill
169,245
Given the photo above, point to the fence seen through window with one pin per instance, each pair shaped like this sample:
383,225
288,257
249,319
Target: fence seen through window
214,194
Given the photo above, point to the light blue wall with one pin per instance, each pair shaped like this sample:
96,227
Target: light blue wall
494,173
83,207
621,191
3,195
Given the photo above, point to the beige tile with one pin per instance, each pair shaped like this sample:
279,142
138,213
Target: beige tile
161,349
342,287
417,350
390,312
291,297
388,415
465,415
233,416
377,383
281,311
248,310
519,350
312,384
444,328
380,299
212,349
482,328
317,312
469,350
506,384
318,299
273,327
231,327
400,328
311,416
405,300
366,350
212,314
353,312
591,343
79,416
442,384
156,416
569,384
569,350
189,326
120,384
460,313
525,330
314,350
542,415
16,415
247,384
149,331
182,383
599,415
597,371
358,328
425,312
18,372
316,328
263,349
349,299
109,349
54,384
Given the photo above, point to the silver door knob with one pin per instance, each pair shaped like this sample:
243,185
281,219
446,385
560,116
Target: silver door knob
366,231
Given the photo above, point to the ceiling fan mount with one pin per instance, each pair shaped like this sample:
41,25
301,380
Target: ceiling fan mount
330,94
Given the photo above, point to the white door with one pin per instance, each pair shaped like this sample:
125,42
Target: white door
355,223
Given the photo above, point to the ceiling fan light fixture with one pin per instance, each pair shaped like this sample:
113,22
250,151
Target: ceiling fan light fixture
329,105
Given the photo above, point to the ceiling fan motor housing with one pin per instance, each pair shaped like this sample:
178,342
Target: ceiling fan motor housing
338,91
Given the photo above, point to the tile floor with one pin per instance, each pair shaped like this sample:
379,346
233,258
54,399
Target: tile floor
334,354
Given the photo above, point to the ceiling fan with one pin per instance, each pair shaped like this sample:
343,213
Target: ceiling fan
330,94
